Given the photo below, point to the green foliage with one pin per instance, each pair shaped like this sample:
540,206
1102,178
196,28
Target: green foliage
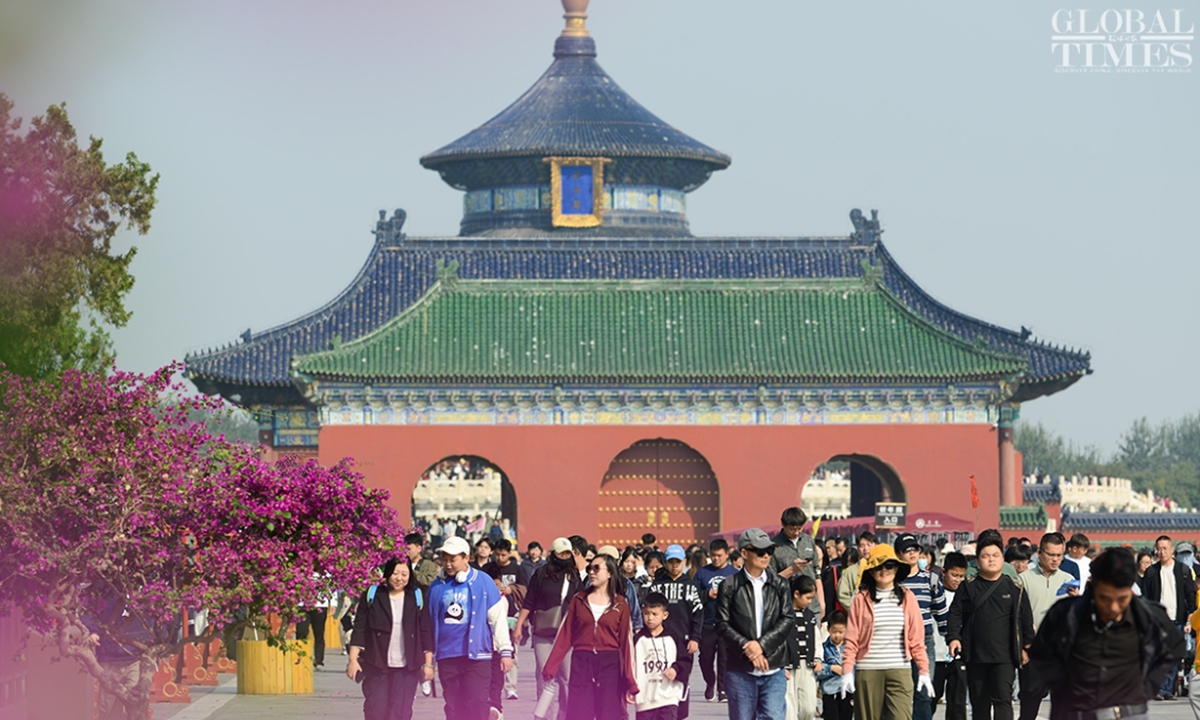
1164,458
1044,451
60,208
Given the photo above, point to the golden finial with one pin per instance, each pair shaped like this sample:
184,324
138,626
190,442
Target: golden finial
576,16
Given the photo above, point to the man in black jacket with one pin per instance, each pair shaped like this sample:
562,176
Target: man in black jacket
753,620
1104,654
990,627
1170,584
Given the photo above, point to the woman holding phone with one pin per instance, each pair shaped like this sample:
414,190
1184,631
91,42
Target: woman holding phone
391,646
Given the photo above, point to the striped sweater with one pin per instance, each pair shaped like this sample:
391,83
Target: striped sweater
931,598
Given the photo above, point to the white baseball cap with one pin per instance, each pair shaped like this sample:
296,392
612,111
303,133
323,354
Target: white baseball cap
455,546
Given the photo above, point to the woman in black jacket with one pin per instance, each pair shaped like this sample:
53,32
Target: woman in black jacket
391,647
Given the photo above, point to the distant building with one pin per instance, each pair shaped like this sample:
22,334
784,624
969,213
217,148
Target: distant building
1108,510
827,495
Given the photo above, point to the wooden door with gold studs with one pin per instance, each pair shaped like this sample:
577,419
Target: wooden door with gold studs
662,487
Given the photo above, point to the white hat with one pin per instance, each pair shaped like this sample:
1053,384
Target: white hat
455,546
560,545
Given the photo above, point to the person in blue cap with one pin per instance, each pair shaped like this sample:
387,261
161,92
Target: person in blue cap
685,608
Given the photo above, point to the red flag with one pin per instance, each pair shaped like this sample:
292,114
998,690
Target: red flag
974,493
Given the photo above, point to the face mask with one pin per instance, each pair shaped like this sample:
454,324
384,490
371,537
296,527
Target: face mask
922,563
1187,559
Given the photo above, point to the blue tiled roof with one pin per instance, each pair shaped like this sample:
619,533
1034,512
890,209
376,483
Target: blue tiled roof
575,108
398,272
1041,493
1049,366
1156,522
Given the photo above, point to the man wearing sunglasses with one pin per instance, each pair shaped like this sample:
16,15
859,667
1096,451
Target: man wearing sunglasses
753,620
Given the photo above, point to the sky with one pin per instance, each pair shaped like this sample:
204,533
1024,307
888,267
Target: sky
1008,188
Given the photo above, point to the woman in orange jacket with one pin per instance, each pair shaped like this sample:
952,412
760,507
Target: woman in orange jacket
885,634
598,632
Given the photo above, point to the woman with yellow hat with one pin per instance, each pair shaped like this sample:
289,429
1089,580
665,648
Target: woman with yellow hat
885,634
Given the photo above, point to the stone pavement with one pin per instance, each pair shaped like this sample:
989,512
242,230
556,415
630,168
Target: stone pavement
335,696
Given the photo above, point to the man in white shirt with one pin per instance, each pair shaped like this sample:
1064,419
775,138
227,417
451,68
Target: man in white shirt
1077,563
1170,584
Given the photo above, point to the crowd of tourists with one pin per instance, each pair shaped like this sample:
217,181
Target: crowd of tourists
781,627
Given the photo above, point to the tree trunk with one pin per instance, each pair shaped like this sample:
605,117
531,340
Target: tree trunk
137,697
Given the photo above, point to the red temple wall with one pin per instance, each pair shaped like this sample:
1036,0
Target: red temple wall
556,470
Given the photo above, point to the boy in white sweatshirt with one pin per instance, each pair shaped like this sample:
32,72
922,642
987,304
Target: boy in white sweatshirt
659,658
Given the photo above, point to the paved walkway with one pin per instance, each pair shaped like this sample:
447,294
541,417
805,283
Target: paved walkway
335,696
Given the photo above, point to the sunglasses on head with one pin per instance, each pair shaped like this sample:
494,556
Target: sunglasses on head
762,552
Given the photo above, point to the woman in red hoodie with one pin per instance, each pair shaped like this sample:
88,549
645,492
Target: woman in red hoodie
598,630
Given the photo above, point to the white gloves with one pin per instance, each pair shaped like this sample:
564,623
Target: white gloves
924,682
848,684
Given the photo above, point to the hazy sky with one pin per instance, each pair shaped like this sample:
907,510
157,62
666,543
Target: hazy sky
1023,196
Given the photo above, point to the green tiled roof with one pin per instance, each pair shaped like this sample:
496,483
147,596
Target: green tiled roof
658,330
1023,517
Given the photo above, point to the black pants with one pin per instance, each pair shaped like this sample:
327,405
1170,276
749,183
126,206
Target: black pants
596,690
950,684
316,620
496,684
836,707
991,687
465,684
1031,701
667,712
389,692
711,648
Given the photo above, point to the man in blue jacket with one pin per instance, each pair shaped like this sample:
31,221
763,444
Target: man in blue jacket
470,623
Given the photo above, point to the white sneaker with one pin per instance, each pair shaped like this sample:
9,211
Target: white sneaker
426,688
512,696
495,714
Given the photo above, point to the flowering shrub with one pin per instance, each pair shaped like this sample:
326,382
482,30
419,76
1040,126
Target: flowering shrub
107,493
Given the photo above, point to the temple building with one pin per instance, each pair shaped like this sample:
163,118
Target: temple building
621,374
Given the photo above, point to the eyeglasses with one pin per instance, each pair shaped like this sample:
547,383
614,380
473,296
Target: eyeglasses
762,552
594,568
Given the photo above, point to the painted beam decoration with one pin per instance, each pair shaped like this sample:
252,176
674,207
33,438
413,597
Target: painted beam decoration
576,189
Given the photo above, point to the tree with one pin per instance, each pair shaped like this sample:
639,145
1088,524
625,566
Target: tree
108,493
1144,447
60,208
1048,453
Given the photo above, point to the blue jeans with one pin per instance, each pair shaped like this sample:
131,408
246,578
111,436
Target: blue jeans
756,697
1168,686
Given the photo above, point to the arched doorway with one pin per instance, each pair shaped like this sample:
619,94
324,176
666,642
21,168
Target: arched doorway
859,481
469,489
659,486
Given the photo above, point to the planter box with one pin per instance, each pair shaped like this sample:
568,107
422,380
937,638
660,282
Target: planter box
333,634
265,670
